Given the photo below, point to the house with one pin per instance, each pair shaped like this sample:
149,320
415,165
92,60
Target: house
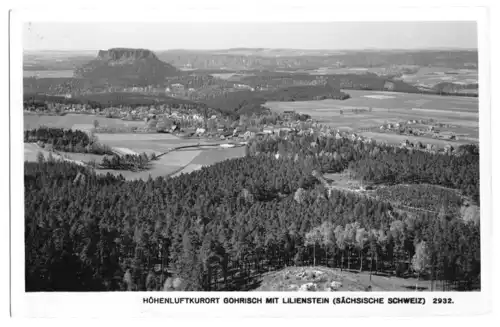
177,87
248,135
389,86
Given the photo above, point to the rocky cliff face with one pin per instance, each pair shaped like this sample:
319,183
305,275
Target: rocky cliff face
126,67
126,55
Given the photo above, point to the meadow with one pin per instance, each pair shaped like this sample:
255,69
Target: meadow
48,73
431,76
75,121
171,164
384,100
185,160
175,162
392,107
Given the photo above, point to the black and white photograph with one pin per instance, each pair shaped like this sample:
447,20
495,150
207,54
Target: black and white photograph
304,158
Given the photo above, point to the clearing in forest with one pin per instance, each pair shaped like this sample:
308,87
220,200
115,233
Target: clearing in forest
73,121
323,279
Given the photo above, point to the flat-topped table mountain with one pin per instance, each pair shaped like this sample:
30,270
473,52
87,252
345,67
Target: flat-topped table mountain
126,67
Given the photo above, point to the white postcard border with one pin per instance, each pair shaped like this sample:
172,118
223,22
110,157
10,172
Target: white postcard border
131,304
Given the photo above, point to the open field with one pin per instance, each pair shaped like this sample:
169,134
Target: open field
149,143
235,77
431,76
181,161
48,73
185,160
345,70
75,121
460,112
210,157
166,165
391,100
31,151
397,139
188,169
130,143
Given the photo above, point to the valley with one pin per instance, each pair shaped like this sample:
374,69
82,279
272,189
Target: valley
252,170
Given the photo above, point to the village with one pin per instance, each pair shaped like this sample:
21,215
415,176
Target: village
420,127
185,122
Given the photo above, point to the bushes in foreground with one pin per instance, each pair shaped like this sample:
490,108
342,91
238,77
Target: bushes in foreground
131,162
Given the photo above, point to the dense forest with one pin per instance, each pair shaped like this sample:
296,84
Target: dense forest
305,93
132,162
220,227
422,196
380,163
66,140
103,100
249,103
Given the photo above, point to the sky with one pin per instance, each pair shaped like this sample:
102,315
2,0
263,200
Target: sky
173,35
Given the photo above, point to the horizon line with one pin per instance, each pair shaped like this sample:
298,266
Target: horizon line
262,48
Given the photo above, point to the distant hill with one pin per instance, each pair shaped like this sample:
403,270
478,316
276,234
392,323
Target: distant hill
248,102
120,67
259,58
